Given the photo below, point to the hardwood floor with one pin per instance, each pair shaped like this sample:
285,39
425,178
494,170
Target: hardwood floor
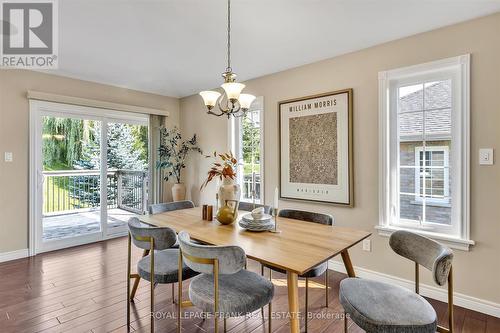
83,289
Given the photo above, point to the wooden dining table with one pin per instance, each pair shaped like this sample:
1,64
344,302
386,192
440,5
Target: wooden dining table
299,246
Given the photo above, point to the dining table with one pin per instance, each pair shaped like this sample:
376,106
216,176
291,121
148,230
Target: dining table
297,248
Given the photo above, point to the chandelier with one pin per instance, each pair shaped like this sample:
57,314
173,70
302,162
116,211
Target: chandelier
233,102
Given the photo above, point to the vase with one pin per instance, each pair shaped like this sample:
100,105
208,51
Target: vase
229,190
179,192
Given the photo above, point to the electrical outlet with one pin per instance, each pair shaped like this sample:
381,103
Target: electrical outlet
486,156
367,245
8,156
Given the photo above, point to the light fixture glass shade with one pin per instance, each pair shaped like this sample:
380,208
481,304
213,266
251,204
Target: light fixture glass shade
246,100
233,89
210,97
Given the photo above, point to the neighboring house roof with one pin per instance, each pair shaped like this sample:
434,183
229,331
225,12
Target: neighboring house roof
438,111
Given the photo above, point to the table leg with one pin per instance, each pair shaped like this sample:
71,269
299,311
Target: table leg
293,301
347,263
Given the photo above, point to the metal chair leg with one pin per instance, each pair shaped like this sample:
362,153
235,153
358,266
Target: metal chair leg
225,325
345,322
269,308
137,279
179,292
173,298
129,252
326,287
307,305
152,270
262,274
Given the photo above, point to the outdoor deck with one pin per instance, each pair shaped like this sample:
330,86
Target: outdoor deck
81,223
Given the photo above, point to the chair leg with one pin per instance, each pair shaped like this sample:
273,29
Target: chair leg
307,305
137,279
225,325
173,298
269,308
326,287
179,292
262,274
128,280
345,322
152,270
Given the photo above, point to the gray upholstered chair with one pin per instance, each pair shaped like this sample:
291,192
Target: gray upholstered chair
248,207
223,288
170,206
381,307
159,265
325,219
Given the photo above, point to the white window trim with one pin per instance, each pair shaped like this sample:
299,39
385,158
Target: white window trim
234,145
461,239
446,175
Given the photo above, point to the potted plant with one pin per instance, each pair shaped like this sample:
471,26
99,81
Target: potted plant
224,169
172,156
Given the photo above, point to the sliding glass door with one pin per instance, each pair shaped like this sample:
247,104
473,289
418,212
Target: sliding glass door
89,173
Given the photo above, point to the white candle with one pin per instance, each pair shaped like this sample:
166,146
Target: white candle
276,198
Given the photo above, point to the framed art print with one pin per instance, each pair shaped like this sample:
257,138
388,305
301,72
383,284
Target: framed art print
316,148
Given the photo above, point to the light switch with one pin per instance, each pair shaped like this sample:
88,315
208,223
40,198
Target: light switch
8,156
486,156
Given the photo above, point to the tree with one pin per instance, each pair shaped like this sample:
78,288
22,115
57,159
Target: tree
63,140
250,141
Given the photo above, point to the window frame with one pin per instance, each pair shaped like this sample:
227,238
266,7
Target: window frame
458,68
234,139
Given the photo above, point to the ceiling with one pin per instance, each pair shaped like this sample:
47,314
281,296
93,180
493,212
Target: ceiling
178,47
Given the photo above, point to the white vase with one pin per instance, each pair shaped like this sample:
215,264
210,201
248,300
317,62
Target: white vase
228,190
179,192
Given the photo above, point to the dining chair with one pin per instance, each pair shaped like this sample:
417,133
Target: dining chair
380,307
319,270
170,206
223,288
157,209
160,265
248,207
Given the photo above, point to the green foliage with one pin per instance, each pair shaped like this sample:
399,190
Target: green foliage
63,139
173,152
127,148
250,143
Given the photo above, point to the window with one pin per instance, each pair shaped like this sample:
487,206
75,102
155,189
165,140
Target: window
247,142
424,143
432,177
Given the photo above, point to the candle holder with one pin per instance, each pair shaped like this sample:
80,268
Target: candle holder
275,215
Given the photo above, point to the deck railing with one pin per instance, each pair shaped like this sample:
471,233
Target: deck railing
71,190
247,187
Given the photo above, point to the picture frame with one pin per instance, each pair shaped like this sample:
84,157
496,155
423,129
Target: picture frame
316,148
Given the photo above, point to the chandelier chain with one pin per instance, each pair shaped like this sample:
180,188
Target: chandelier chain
229,69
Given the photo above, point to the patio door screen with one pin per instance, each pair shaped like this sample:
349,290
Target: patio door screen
89,173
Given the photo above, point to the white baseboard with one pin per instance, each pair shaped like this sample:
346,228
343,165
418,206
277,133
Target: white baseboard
465,301
13,255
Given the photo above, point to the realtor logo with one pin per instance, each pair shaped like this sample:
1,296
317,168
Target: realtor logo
29,34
